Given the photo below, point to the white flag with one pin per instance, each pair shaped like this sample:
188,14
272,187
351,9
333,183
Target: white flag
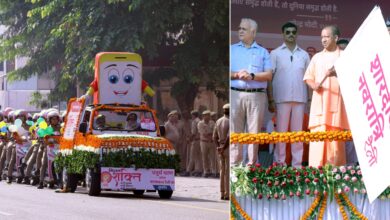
363,73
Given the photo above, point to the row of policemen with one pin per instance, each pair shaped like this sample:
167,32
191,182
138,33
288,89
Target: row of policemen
186,139
207,153
23,147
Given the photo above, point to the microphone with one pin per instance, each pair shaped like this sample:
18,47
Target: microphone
291,58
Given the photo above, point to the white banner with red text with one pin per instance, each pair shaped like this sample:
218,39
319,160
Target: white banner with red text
72,119
363,72
115,178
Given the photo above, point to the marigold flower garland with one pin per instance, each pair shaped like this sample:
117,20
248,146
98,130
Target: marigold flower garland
289,137
341,207
238,208
351,207
323,207
311,209
93,143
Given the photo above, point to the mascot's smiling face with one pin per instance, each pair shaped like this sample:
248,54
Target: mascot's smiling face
120,81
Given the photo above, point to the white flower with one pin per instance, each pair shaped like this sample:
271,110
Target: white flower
66,152
234,179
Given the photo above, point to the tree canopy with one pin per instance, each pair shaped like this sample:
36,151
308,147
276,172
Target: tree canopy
62,37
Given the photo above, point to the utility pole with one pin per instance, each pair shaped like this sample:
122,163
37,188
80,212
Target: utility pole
6,103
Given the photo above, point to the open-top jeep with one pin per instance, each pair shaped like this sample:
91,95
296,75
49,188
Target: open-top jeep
116,147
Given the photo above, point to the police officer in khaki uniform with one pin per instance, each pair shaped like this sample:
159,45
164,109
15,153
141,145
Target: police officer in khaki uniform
195,164
182,145
39,154
214,118
7,149
171,130
221,140
206,128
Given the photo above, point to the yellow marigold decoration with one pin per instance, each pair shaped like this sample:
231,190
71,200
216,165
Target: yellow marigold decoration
323,207
116,142
66,144
239,209
311,208
289,137
341,207
353,208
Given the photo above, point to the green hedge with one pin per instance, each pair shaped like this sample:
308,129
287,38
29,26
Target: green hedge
79,161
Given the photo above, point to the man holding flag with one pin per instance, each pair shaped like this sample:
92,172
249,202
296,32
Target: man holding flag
327,110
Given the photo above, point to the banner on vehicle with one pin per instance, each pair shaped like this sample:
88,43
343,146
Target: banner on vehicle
137,179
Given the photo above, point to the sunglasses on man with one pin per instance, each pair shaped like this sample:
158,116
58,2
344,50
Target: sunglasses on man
290,32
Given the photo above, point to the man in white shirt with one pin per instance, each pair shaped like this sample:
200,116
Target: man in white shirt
132,122
289,63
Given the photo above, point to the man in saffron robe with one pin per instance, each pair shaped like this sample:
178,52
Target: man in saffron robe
327,110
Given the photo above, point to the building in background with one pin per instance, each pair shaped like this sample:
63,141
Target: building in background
18,94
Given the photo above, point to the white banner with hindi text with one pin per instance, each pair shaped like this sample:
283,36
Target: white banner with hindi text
363,72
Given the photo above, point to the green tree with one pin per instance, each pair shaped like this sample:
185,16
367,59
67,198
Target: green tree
38,101
62,37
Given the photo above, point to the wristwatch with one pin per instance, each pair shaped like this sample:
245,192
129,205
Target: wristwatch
252,75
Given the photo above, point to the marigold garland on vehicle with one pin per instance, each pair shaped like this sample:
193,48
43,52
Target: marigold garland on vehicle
93,143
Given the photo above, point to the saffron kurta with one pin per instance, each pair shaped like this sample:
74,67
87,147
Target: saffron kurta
327,111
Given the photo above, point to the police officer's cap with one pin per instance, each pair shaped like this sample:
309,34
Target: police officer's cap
173,113
194,112
207,112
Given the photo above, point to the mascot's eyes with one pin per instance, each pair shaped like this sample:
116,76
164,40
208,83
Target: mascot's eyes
113,76
113,79
128,79
128,76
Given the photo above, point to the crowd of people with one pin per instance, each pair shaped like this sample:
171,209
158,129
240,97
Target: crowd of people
286,80
202,144
21,128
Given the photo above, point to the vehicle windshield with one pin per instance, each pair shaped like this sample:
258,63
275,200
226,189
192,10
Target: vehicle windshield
123,120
